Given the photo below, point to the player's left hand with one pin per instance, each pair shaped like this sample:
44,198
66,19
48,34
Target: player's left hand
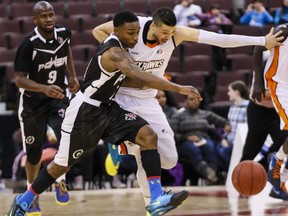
73,84
273,39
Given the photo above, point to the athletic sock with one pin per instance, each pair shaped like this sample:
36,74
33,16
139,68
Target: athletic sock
155,187
151,164
62,177
280,155
41,183
147,200
27,198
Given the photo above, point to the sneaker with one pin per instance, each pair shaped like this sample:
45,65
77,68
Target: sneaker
147,210
274,172
16,209
112,161
34,209
62,195
278,194
166,202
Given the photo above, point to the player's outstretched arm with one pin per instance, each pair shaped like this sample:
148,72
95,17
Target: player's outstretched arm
124,62
226,40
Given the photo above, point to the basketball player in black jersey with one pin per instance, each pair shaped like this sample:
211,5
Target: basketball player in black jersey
40,65
93,115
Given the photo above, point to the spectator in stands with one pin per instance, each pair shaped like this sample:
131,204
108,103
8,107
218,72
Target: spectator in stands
238,94
256,15
162,99
217,21
281,14
194,130
238,7
186,13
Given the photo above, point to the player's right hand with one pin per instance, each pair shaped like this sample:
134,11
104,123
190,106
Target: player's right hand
187,90
273,39
53,91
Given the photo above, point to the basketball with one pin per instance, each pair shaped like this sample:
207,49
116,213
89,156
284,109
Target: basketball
249,178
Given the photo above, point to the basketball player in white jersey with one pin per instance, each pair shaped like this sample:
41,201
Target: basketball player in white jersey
157,39
276,80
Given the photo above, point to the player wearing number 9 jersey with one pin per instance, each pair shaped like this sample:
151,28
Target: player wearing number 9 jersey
40,66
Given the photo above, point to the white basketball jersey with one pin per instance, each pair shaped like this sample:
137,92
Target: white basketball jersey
277,64
150,58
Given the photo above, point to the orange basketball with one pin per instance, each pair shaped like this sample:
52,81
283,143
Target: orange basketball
249,178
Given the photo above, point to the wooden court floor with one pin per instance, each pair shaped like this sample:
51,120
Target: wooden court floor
202,201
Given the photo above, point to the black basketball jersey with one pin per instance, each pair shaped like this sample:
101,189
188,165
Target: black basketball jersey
99,84
44,61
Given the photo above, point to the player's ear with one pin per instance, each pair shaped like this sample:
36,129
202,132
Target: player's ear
284,29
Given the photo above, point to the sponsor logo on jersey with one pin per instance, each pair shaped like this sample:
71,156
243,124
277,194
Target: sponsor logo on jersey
160,51
147,65
30,140
56,62
134,53
130,116
77,154
165,131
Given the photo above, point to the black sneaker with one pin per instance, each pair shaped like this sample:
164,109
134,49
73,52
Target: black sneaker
167,202
16,209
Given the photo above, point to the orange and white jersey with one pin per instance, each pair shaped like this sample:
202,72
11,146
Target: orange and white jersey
276,68
276,79
149,57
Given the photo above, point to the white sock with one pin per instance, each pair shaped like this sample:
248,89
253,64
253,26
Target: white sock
62,177
280,154
28,184
147,201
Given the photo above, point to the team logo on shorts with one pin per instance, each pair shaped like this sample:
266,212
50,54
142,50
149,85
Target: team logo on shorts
130,116
30,139
60,40
61,112
77,154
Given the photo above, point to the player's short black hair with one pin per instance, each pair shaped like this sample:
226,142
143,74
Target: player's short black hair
164,16
123,17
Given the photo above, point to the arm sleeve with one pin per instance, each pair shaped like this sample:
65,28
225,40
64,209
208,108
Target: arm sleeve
224,40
